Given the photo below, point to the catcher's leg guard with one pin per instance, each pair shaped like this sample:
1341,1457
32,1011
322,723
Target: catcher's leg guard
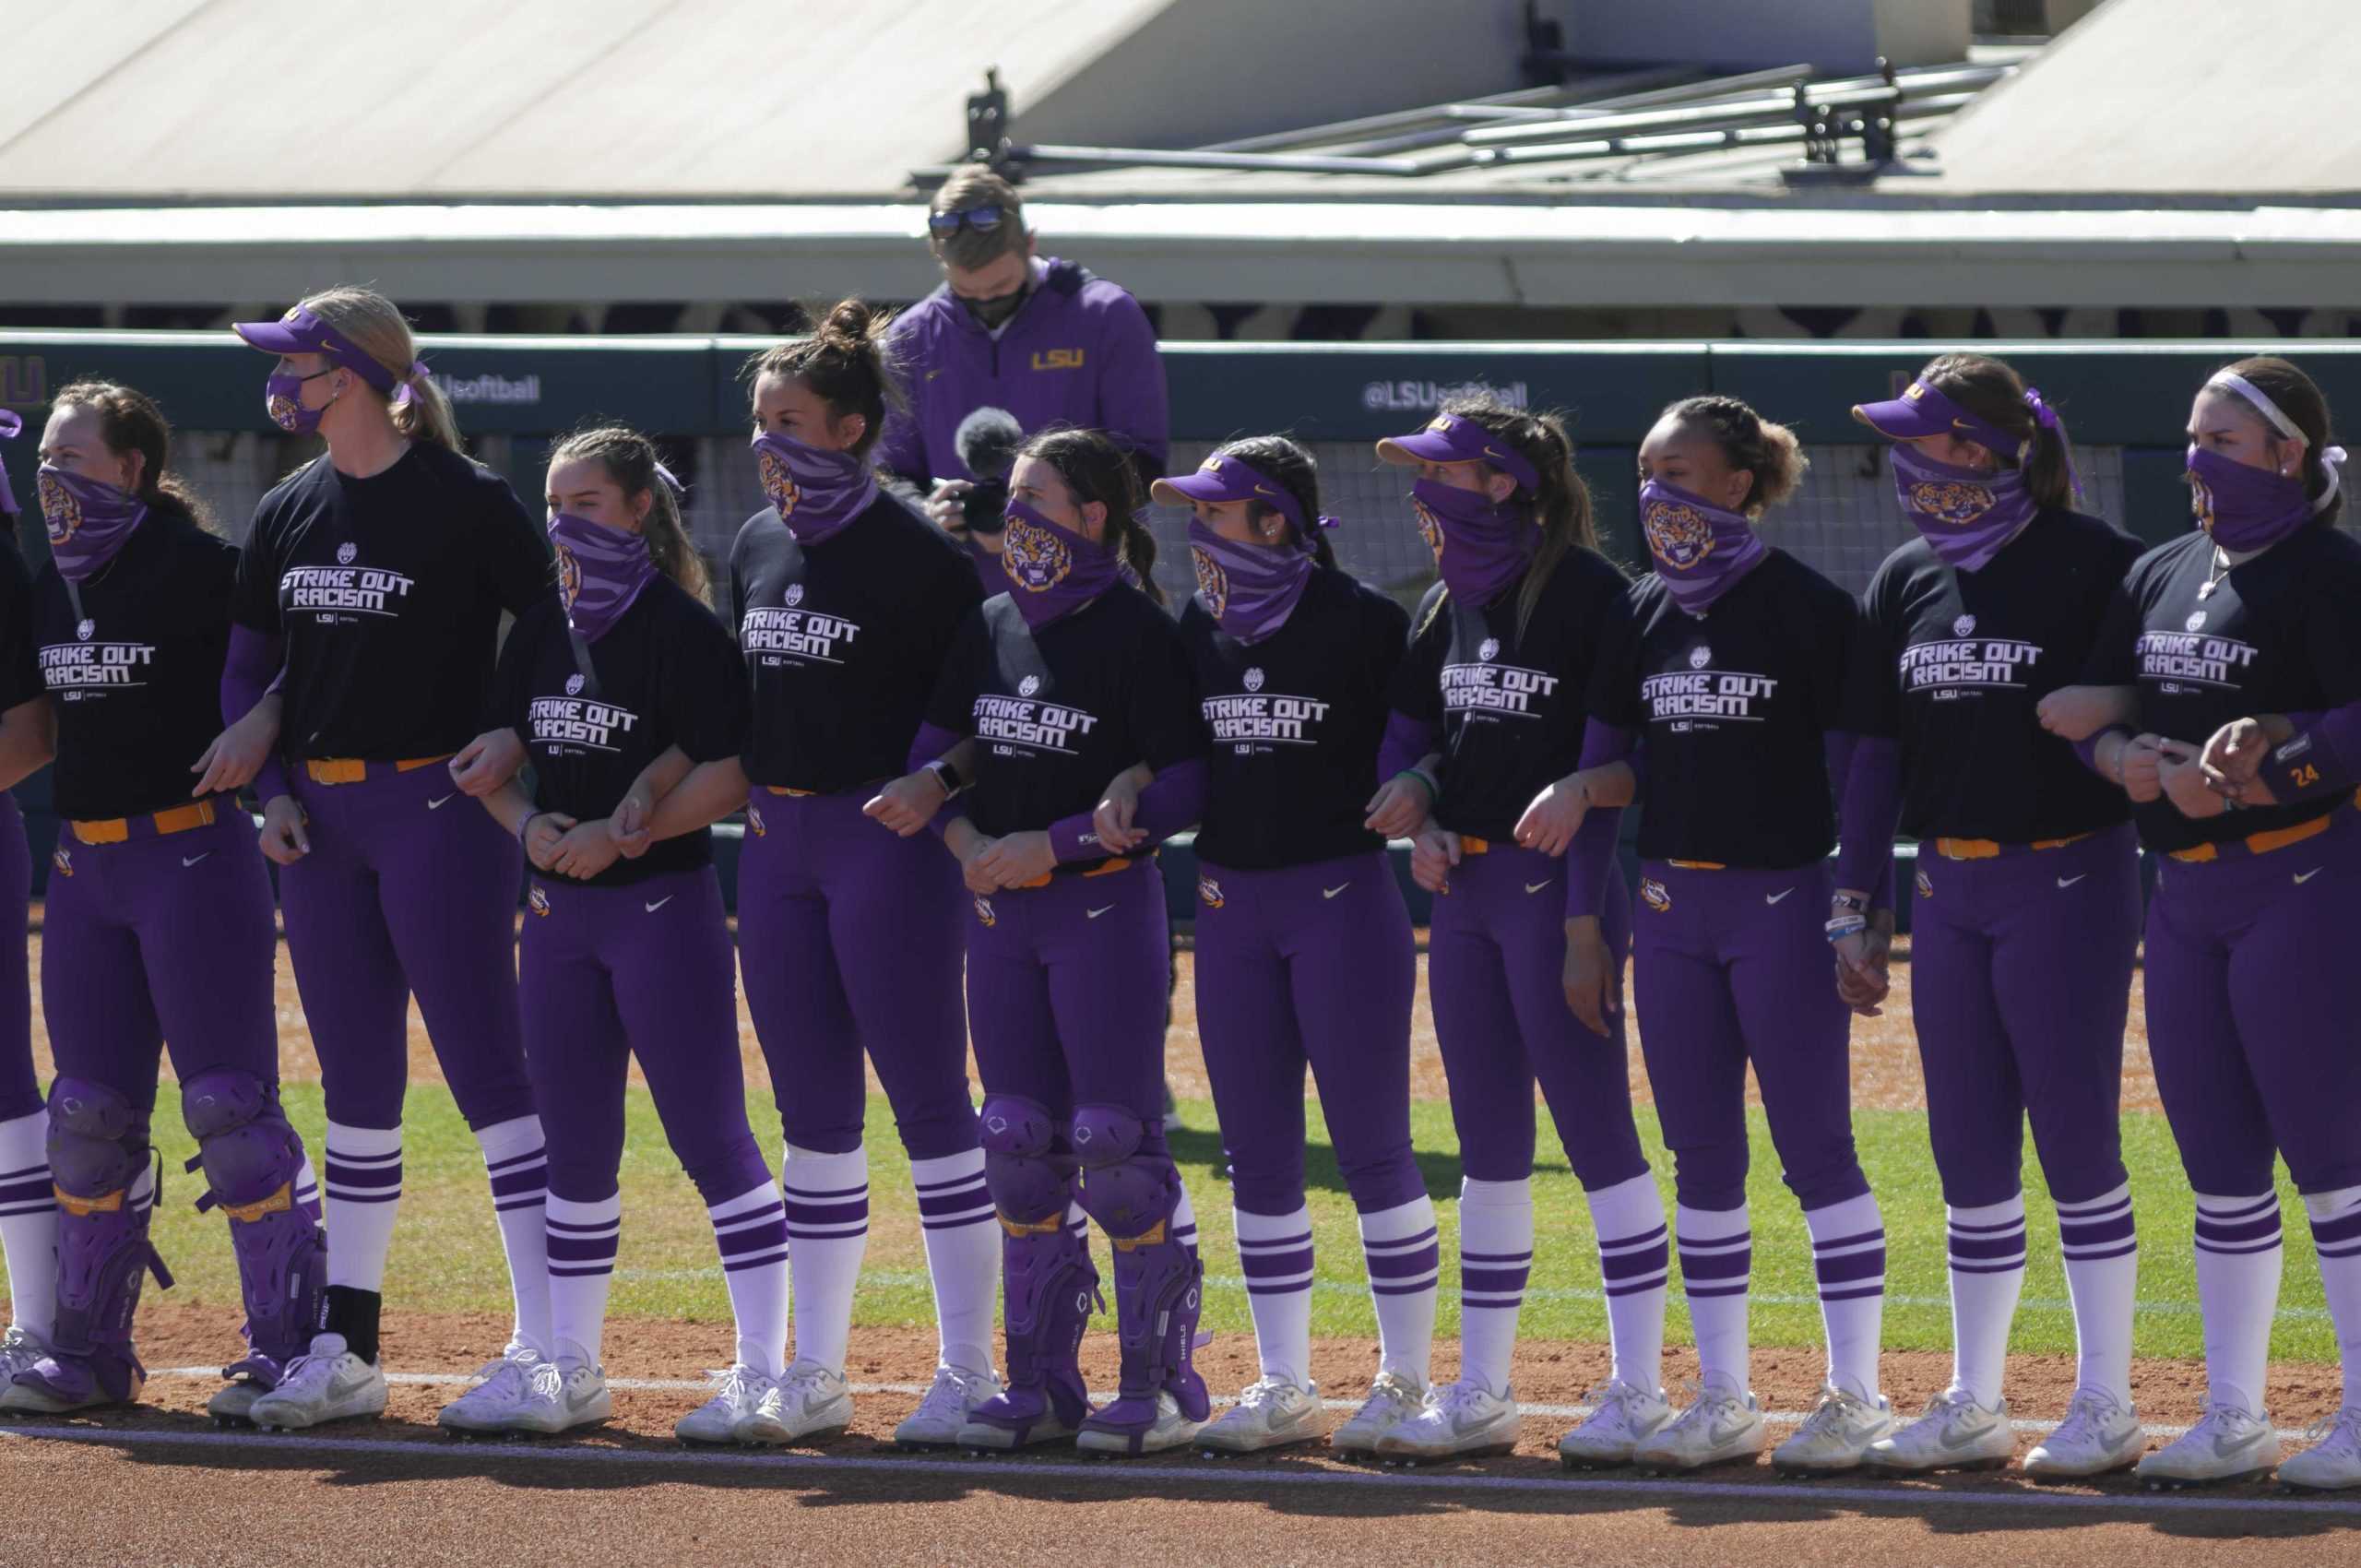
252,1160
1132,1195
1049,1286
97,1145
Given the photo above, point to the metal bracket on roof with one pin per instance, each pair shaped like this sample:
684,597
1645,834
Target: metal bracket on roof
1869,116
988,119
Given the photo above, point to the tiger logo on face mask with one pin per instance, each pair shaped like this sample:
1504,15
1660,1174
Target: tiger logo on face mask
1679,537
1952,501
1213,583
778,484
1035,559
2200,502
569,575
61,514
1430,527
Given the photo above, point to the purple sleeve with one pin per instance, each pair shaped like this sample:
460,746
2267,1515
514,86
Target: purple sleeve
1173,799
2088,748
1406,739
1870,800
1134,405
252,669
1590,858
2320,759
931,742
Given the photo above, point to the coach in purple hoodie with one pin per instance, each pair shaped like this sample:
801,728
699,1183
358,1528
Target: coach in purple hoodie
1040,337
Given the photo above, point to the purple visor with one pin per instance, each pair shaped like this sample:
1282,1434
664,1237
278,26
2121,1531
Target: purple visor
301,332
1922,410
1451,439
10,424
1221,479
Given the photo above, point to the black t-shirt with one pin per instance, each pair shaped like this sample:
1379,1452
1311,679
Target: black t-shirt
21,679
1292,725
667,675
2280,634
844,641
1955,662
1057,713
136,679
388,591
1734,711
1511,707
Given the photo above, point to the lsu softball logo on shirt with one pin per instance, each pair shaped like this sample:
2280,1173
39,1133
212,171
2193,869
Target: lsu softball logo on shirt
537,900
784,634
1680,535
1213,583
1241,721
778,484
1036,559
61,513
1209,892
1964,626
347,552
574,685
1487,688
340,594
1024,724
2178,661
1681,697
87,667
984,911
1655,896
1965,665
1952,501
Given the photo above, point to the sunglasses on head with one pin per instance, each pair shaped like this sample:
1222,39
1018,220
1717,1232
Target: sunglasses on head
982,220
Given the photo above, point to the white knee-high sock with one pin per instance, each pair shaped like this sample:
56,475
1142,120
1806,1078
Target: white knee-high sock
2101,1254
1716,1271
1987,1265
828,1233
516,1161
2336,1236
1405,1259
363,1194
581,1241
1633,1266
2240,1255
749,1232
1275,1253
962,1254
1848,1255
28,1223
1495,1261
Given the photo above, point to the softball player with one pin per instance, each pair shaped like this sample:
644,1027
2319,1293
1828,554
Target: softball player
845,602
1304,953
2250,981
627,955
374,578
2029,892
1486,708
158,915
1729,665
28,1205
1070,678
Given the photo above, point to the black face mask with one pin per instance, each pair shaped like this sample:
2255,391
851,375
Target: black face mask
992,312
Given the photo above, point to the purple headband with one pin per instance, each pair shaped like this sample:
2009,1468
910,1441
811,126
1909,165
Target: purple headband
301,332
1223,478
1449,438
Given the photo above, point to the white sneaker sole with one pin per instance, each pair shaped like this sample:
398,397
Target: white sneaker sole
1393,1450
1893,1463
232,1404
596,1413
1215,1439
23,1399
1160,1439
366,1407
2042,1468
2155,1480
2297,1486
932,1434
831,1420
1663,1464
722,1435
977,1437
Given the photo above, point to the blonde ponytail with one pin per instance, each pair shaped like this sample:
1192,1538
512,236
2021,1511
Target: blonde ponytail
377,328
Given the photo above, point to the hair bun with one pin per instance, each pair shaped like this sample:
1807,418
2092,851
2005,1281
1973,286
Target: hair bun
848,325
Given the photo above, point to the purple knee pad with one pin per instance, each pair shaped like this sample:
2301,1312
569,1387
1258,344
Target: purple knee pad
1106,1134
1030,1181
252,1160
103,1255
1013,1125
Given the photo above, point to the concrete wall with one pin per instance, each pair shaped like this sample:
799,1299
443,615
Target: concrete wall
1837,35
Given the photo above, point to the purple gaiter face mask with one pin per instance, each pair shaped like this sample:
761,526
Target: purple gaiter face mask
599,571
2244,508
1701,550
1965,514
88,520
1480,546
817,492
9,425
1250,589
1052,570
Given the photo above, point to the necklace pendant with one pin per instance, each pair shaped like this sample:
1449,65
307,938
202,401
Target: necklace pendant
2207,591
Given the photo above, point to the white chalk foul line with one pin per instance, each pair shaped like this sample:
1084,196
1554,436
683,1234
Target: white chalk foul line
1167,1476
1524,1408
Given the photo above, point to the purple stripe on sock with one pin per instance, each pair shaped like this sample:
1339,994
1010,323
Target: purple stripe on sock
586,1225
1959,1229
1609,1243
1272,1265
1422,1286
1870,1264
2267,1203
537,1153
29,1173
1835,1242
740,1243
2205,1246
11,1211
24,1192
835,1194
1273,1244
589,1272
982,1217
2124,1251
1523,1259
953,1201
1861,1294
1404,1266
972,1176
1703,1293
2011,1245
581,1248
533,1180
740,1264
1636,1286
2342,1227
335,1197
2095,1233
1717,1265
343,1175
826,1214
1399,1242
1491,1281
1627,1265
2218,1237
2012,1266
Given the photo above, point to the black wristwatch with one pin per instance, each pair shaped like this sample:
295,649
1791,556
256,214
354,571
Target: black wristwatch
947,775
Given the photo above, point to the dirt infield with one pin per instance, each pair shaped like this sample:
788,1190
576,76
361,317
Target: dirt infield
395,1491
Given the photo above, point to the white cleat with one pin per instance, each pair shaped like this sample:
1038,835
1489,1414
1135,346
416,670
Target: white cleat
562,1396
1721,1427
942,1414
735,1395
1271,1413
2099,1436
807,1402
19,1349
1625,1417
1954,1433
232,1404
1170,1430
1392,1399
2333,1462
501,1386
1460,1421
1837,1434
330,1383
2227,1444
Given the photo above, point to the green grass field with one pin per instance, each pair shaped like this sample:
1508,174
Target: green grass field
446,1253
